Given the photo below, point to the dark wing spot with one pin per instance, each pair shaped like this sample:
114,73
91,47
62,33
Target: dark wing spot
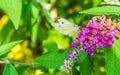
62,22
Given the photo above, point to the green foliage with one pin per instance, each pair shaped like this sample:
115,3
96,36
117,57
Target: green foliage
9,70
21,68
83,57
8,29
50,45
43,33
112,59
13,9
86,67
47,14
45,74
7,47
51,60
103,10
34,23
46,46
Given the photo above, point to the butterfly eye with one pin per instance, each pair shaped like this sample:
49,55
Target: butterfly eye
62,22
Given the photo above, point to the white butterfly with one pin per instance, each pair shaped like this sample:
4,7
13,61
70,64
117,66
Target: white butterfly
111,2
64,26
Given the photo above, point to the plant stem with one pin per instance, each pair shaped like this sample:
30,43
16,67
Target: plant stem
20,63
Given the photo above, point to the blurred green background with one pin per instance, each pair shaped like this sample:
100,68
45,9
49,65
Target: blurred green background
41,42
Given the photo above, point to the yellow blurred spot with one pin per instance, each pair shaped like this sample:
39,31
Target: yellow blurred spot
102,69
18,56
27,52
70,11
45,50
38,72
3,21
28,59
64,44
21,52
25,43
51,71
10,55
77,8
17,49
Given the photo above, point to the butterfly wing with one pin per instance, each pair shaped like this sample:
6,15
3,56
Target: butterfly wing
65,27
111,2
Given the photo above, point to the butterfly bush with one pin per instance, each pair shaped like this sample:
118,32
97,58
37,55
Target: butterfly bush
99,32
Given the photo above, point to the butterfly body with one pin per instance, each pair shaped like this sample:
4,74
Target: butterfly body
64,26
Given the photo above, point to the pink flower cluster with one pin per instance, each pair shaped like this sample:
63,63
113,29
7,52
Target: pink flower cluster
99,32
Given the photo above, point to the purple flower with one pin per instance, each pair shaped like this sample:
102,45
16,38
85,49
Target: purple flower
94,31
96,34
85,30
75,44
69,62
99,32
92,54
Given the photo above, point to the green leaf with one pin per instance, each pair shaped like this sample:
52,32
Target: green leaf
65,73
6,48
51,60
112,59
42,33
50,45
85,67
21,68
13,9
8,29
34,27
9,70
46,74
34,13
45,11
103,10
75,71
34,32
96,2
32,21
83,57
